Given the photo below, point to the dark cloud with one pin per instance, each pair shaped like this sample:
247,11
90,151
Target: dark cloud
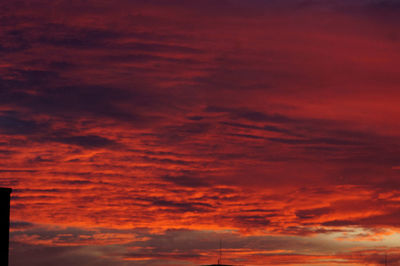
41,255
186,181
6,152
155,47
75,101
38,190
262,117
378,256
18,171
13,41
164,160
329,141
199,242
146,58
88,38
75,182
266,127
182,206
339,223
61,65
250,115
312,213
252,221
13,124
248,136
384,6
21,225
182,132
32,198
40,159
86,141
195,118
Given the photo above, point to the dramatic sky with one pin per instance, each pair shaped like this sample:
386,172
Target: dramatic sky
143,132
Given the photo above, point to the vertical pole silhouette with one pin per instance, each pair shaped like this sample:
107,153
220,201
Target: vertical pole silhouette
220,252
385,259
4,224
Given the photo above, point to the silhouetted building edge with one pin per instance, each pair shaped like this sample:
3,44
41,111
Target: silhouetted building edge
5,194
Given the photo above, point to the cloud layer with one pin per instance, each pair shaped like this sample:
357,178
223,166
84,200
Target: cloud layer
139,133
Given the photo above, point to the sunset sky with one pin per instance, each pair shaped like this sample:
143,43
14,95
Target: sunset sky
143,132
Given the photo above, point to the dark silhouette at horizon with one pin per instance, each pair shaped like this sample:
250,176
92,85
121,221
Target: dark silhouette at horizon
217,265
4,224
219,257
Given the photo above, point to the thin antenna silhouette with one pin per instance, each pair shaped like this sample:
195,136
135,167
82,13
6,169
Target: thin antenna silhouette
220,252
219,256
385,258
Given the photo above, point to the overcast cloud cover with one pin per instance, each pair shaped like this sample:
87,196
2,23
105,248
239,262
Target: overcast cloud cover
143,132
